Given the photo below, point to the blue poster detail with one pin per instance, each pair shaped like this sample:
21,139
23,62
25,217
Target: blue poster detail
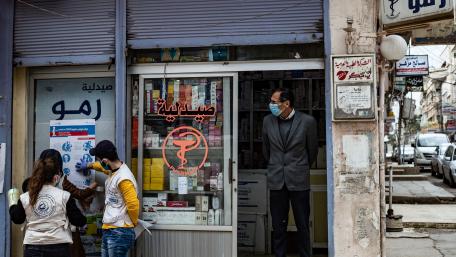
66,171
66,158
66,147
87,146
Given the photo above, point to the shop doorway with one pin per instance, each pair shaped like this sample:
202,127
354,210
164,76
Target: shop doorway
254,219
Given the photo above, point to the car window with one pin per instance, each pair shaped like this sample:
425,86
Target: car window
449,152
432,141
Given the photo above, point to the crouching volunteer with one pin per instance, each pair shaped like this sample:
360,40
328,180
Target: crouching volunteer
47,210
121,203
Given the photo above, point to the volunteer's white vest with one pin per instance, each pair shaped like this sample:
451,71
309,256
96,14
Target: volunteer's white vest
47,221
115,209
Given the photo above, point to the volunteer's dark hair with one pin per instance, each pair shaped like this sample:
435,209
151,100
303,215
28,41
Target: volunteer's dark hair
54,155
285,94
44,171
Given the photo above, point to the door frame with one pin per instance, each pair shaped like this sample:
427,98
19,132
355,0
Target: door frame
230,106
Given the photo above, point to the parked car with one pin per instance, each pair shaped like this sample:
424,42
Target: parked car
449,165
425,145
407,153
436,162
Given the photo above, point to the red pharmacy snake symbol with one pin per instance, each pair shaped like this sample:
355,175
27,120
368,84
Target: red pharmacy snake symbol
186,146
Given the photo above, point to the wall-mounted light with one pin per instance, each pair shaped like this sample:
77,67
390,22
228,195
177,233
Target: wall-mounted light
393,47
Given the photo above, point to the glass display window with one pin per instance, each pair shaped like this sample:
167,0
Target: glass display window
184,129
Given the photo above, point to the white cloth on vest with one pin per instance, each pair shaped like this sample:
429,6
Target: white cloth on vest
47,222
115,213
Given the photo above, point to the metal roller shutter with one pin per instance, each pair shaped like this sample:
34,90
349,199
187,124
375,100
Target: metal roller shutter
49,32
188,23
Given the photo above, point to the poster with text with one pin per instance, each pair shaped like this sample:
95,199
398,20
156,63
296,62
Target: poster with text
73,139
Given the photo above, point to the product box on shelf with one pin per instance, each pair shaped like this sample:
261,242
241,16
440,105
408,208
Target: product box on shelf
201,218
176,204
202,203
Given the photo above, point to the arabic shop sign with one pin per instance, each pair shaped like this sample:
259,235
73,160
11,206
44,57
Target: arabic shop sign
414,84
412,65
395,12
353,69
181,110
76,98
353,78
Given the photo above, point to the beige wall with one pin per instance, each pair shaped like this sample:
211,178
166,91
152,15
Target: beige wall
356,196
20,146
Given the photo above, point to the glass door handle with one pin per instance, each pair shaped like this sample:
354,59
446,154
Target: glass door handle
230,170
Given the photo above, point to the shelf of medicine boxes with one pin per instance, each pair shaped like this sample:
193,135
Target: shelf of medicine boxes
188,193
215,152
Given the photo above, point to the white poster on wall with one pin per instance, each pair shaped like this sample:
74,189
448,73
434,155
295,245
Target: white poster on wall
73,139
74,98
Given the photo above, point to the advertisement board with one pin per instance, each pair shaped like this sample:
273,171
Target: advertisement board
412,65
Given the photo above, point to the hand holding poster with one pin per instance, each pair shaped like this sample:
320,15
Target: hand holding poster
73,139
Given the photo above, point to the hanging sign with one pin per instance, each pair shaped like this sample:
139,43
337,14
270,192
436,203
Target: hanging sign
353,78
73,139
399,84
412,65
414,84
396,12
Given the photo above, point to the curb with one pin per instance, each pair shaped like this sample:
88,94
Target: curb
421,200
412,224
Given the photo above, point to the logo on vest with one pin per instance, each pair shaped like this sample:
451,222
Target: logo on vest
45,206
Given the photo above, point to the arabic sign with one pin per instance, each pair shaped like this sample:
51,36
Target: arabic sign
412,65
451,125
353,78
73,139
184,140
353,98
178,110
414,84
395,12
399,83
76,98
356,68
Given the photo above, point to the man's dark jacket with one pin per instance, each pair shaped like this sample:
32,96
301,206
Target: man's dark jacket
289,162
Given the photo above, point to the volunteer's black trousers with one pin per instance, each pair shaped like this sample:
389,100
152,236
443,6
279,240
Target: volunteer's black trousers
53,250
279,204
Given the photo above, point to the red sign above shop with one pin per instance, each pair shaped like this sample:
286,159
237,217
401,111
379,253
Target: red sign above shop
182,110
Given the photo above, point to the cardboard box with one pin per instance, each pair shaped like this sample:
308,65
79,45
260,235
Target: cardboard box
251,233
176,204
202,203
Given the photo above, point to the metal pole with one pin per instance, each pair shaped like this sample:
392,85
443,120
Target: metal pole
390,197
401,107
381,135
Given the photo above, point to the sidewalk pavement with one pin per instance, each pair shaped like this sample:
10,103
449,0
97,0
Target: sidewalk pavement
422,192
429,243
427,215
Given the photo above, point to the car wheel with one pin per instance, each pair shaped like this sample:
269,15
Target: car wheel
445,181
452,184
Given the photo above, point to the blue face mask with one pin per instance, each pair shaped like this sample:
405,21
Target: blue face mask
275,110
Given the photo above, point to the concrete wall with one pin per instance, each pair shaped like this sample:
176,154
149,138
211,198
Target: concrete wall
356,202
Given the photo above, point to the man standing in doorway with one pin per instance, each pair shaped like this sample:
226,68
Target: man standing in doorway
290,146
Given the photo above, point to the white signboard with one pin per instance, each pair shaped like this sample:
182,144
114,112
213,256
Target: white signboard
402,11
73,139
75,98
412,65
353,78
351,98
353,69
